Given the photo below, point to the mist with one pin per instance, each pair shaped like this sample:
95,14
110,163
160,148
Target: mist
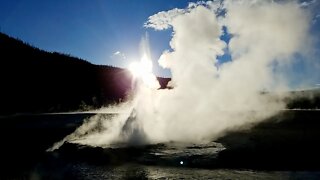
208,98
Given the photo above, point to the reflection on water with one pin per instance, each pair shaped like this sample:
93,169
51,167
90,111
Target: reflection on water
145,165
185,155
210,149
23,156
135,171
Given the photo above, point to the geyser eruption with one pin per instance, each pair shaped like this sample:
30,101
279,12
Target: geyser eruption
207,101
142,70
123,128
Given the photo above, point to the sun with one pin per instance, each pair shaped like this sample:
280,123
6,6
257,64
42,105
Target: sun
142,70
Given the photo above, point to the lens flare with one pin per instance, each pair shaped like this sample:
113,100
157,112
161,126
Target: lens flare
142,71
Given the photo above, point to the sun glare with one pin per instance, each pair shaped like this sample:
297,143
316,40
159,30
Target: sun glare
143,70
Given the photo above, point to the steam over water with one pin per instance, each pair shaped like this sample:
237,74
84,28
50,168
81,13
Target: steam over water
208,98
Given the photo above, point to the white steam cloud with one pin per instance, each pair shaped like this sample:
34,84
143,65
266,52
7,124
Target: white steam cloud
206,102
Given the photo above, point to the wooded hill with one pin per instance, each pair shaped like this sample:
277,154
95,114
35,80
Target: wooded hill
33,80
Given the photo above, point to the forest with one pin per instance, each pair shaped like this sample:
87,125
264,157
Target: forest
35,81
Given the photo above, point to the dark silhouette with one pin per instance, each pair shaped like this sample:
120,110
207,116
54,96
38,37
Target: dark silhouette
33,80
307,99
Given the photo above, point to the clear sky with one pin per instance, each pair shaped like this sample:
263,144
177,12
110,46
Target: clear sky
92,30
99,31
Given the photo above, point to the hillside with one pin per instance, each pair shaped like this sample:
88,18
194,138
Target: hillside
33,80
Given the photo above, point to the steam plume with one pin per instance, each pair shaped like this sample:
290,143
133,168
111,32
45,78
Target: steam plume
207,101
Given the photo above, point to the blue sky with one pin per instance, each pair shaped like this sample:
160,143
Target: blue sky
92,30
95,30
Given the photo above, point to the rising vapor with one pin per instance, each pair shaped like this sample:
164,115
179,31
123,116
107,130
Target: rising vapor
209,98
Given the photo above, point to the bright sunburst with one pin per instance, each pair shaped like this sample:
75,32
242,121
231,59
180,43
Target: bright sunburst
143,70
